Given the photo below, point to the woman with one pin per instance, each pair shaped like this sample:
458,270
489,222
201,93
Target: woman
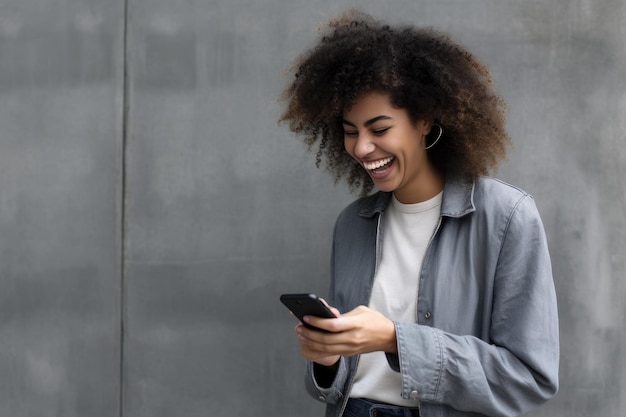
441,280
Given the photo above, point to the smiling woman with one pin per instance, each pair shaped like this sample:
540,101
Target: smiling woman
391,147
422,71
441,280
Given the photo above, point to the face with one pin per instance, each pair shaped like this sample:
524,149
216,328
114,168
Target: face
391,147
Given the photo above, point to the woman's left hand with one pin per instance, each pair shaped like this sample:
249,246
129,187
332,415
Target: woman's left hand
361,330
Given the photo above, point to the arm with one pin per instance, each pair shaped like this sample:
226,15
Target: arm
326,372
516,370
326,384
358,331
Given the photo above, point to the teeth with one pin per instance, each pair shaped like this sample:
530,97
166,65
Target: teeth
377,164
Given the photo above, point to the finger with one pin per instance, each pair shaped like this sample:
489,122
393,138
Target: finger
320,340
358,310
319,357
306,335
297,327
331,308
330,325
314,350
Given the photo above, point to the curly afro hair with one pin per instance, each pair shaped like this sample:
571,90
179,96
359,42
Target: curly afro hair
422,71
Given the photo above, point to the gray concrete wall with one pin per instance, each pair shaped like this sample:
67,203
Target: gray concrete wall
151,210
61,102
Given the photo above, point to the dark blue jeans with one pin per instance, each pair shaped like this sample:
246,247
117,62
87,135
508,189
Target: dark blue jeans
361,407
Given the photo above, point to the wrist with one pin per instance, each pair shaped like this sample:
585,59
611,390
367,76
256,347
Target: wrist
392,340
329,362
325,375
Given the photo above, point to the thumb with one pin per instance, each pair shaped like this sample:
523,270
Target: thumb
333,309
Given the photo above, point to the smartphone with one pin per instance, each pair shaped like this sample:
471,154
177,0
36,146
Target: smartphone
306,305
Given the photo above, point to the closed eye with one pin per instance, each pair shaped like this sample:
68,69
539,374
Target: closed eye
350,134
380,132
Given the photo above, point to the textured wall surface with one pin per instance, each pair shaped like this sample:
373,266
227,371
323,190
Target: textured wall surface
61,112
152,211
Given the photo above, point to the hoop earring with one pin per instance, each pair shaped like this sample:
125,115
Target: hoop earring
438,136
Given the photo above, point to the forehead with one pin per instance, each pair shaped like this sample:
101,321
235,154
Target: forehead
372,104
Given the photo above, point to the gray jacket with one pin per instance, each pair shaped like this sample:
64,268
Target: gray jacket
486,339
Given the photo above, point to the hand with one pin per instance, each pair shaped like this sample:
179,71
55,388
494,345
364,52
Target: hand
361,330
318,357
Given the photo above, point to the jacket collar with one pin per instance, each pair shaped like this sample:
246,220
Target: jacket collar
458,200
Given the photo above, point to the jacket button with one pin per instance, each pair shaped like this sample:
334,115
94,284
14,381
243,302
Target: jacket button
413,395
427,315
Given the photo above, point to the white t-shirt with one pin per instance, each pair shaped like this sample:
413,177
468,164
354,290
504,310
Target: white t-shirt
408,229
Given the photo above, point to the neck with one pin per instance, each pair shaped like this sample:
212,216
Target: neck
431,184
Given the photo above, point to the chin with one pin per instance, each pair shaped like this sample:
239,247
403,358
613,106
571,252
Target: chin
388,188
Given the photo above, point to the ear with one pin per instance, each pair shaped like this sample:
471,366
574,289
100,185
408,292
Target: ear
425,125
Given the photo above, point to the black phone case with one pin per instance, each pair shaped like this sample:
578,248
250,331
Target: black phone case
306,305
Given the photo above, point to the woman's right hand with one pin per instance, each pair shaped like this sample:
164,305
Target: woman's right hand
320,357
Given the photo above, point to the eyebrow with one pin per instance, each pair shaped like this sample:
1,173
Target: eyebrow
369,122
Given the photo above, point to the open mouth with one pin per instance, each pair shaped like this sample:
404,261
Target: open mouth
378,166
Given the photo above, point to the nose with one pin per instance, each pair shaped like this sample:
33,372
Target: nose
363,146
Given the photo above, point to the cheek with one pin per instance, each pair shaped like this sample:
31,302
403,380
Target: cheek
348,145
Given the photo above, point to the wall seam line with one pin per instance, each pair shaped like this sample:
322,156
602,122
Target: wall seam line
123,225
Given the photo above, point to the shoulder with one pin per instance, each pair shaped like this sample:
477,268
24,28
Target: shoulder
507,208
362,214
494,195
499,189
366,207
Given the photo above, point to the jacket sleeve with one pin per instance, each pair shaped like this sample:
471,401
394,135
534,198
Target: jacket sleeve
322,384
326,387
517,369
